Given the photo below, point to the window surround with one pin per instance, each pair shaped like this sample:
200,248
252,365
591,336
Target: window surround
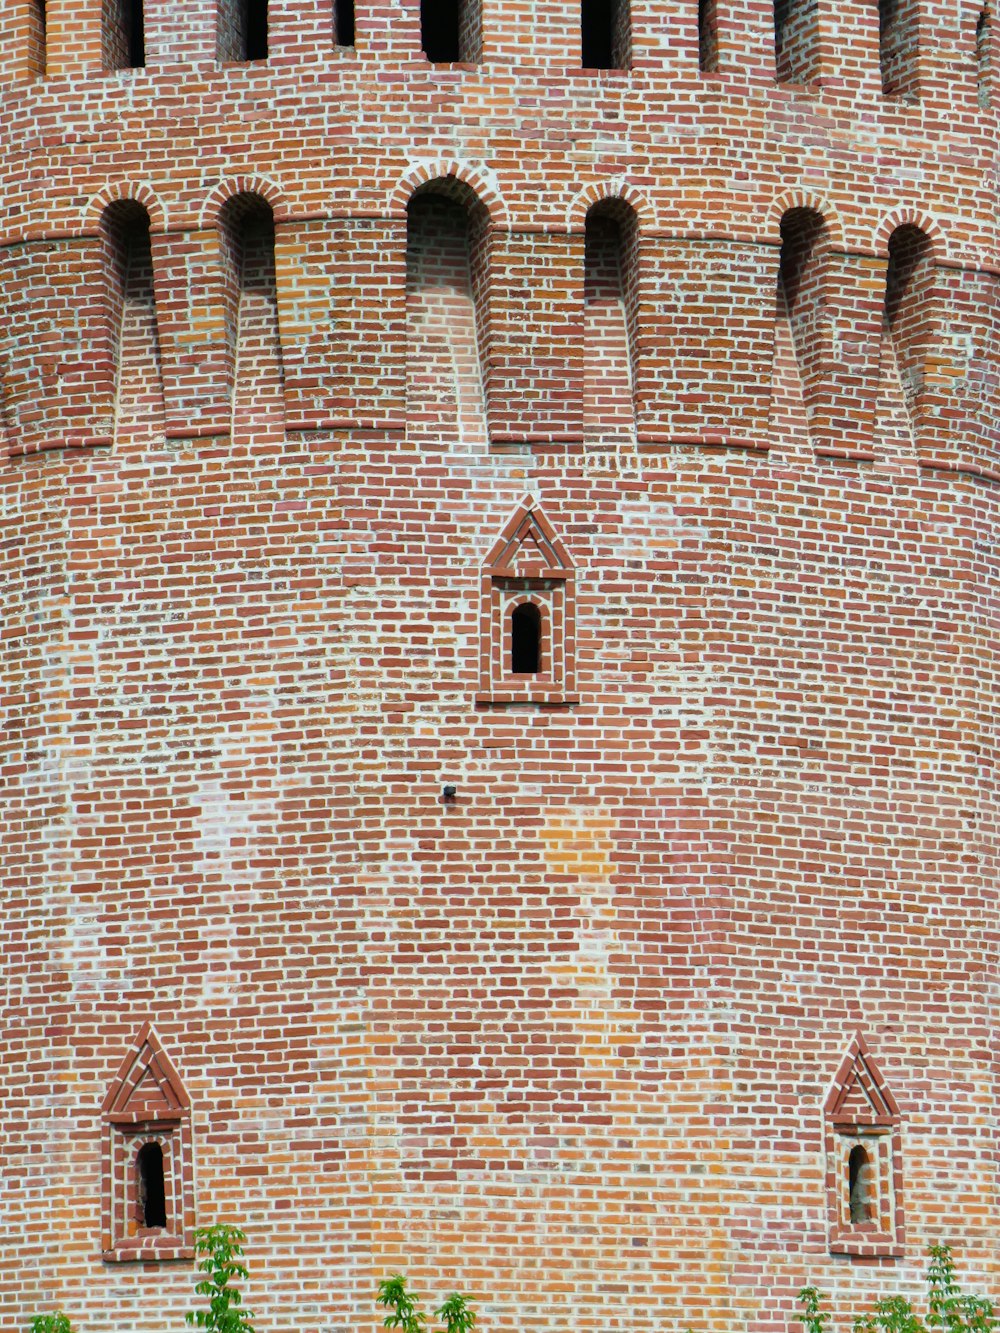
146,1104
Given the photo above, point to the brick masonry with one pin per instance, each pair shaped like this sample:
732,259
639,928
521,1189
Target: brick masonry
570,1036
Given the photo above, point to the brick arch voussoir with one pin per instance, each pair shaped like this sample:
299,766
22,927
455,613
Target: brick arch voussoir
908,217
125,192
478,179
597,192
255,186
815,203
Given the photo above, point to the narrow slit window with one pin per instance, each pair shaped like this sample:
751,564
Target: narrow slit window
859,1184
123,34
343,18
782,13
708,36
984,57
451,30
605,34
150,1193
526,640
37,39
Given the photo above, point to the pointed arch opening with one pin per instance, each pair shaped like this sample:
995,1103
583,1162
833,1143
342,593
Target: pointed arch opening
605,34
796,40
451,30
984,57
241,30
909,312
611,303
708,36
150,1189
899,48
447,267
123,34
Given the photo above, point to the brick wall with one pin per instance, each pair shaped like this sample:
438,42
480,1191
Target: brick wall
568,1036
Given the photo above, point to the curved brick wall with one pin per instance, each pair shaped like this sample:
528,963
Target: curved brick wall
570,1035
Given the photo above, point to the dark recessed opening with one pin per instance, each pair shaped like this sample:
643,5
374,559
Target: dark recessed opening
439,26
256,29
781,55
859,1179
597,34
605,39
983,56
708,39
526,640
344,21
37,38
909,250
136,35
149,1184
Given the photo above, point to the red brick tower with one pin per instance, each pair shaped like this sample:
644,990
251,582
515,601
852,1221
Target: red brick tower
588,410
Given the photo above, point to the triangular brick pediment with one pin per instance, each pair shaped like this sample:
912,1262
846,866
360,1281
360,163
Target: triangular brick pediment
528,546
860,1095
147,1085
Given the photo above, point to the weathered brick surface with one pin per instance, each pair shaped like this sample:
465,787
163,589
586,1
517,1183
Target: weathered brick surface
569,1036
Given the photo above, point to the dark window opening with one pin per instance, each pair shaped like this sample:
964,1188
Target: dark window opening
859,1180
708,36
526,640
256,29
241,34
605,35
439,22
344,22
124,37
149,1186
136,36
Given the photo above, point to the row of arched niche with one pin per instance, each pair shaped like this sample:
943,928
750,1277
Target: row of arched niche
809,245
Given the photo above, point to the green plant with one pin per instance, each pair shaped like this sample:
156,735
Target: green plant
222,1248
815,1319
455,1312
51,1323
948,1307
